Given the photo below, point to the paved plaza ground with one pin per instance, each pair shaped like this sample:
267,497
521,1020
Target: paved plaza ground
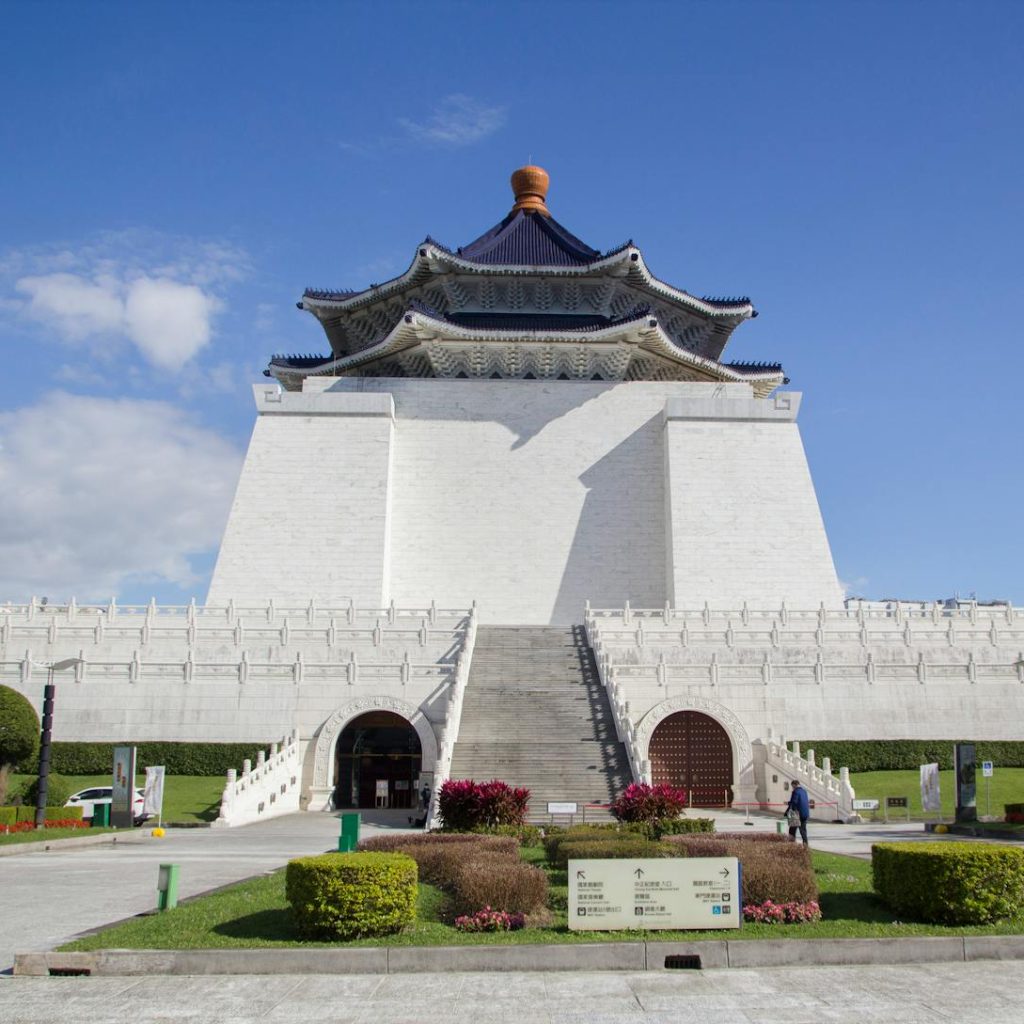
971,993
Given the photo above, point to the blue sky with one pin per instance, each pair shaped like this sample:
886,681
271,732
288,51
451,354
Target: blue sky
174,175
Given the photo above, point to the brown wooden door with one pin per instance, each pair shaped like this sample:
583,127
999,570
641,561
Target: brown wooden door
692,750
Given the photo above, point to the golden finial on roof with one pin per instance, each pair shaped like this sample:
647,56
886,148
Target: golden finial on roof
530,186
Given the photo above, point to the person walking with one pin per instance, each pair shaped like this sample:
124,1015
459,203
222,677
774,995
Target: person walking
798,810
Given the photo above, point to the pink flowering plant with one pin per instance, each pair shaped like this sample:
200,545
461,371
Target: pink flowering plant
488,920
642,802
782,913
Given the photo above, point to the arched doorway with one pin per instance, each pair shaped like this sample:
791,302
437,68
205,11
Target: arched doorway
375,749
692,750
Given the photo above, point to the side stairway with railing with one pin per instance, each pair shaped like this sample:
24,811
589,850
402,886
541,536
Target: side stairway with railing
268,790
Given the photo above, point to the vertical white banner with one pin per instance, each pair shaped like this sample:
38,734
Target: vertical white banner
153,799
930,800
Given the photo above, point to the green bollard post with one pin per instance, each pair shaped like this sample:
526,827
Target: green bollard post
167,887
349,838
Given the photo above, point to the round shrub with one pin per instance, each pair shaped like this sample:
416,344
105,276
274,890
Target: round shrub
351,895
950,882
19,730
58,789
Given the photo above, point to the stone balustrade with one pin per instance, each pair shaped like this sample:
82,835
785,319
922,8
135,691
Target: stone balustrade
269,789
453,719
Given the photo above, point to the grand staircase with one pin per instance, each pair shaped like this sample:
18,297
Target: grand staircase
535,715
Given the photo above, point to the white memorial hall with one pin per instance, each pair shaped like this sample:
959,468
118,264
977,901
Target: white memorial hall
524,520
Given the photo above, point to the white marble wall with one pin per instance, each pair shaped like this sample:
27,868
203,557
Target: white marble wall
529,497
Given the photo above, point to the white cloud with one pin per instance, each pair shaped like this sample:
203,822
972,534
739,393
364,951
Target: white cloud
167,321
99,493
458,120
854,587
160,293
76,308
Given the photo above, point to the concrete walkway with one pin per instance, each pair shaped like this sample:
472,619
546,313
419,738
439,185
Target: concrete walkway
49,897
974,993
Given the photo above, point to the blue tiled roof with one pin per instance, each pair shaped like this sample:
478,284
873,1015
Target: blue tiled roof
529,239
745,367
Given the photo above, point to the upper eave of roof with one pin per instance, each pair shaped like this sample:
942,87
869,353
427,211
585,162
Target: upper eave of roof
432,259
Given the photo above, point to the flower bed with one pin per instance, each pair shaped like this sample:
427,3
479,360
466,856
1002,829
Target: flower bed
782,913
488,920
29,826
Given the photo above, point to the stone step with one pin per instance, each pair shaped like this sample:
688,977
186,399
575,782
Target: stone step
542,685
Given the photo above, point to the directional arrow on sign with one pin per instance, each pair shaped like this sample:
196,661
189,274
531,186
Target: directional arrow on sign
724,872
581,874
639,872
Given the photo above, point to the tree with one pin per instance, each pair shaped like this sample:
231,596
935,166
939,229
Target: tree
19,730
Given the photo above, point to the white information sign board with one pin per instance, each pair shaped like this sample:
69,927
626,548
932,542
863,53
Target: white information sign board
671,892
987,769
865,805
562,807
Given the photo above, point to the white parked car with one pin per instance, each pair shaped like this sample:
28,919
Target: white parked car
87,799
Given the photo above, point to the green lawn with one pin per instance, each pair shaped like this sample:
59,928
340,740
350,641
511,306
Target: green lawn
1006,785
255,913
187,798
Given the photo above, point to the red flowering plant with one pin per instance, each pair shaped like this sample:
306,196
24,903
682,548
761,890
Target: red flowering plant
1015,817
465,804
28,826
642,802
488,920
782,913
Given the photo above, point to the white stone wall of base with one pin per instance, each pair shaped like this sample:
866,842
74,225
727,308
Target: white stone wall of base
313,503
743,519
530,497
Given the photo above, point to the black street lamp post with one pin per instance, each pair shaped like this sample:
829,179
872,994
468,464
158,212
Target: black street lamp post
44,741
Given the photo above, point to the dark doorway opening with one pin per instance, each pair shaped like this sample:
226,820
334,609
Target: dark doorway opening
378,762
692,750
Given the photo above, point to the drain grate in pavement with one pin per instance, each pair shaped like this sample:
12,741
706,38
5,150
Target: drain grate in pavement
682,963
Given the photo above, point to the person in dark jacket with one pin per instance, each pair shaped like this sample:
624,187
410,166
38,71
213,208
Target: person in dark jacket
798,810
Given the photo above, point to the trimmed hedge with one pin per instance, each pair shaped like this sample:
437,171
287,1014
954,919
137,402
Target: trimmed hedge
490,880
58,789
682,826
901,755
27,812
398,843
949,882
525,835
439,862
8,815
351,895
474,870
177,758
554,837
605,849
771,870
